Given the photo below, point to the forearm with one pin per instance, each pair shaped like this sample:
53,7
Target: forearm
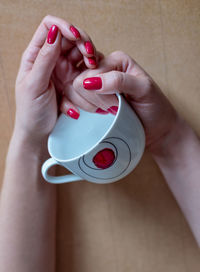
179,161
27,211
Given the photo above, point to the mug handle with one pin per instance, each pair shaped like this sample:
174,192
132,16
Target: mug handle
52,179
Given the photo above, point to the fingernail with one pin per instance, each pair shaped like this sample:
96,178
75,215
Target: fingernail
99,110
89,48
51,37
113,110
92,61
73,114
75,32
92,83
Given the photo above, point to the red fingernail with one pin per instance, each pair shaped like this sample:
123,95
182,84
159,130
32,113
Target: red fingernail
51,37
75,32
92,83
89,48
92,61
113,110
73,114
99,110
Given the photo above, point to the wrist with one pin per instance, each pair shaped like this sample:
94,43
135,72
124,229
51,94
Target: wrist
22,144
175,144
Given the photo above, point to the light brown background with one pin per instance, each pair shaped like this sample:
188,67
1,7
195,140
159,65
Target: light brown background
134,224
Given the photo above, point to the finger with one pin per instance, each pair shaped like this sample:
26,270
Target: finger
65,66
69,109
100,105
59,72
106,81
92,62
85,44
39,37
117,82
79,101
74,56
87,48
66,45
98,101
46,60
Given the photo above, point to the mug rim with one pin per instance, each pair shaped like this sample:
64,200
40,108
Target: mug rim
119,96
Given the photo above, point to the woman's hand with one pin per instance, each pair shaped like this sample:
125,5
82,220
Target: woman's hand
120,73
36,102
66,71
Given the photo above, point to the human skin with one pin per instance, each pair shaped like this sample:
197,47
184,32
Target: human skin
28,203
173,144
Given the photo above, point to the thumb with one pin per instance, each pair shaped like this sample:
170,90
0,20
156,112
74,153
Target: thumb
117,82
46,60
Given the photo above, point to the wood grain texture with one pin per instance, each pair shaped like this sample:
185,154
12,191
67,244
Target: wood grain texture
134,224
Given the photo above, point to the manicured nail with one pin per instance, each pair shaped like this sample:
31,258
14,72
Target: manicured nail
73,114
113,110
51,37
89,48
92,83
75,31
99,110
92,61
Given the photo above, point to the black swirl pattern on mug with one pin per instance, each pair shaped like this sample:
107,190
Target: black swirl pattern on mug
99,169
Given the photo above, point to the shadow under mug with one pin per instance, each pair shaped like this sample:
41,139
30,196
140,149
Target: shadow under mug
97,148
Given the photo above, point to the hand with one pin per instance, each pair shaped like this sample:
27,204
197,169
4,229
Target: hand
36,104
66,71
120,73
74,59
67,68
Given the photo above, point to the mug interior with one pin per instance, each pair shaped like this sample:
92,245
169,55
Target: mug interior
72,138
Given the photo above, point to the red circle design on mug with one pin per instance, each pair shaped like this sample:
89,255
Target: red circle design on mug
104,158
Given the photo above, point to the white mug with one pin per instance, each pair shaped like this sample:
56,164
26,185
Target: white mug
97,148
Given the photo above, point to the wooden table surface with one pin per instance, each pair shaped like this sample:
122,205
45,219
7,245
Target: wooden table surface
134,224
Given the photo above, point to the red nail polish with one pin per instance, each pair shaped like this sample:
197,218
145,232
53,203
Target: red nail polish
51,37
99,110
104,158
92,83
113,110
75,31
73,114
89,48
92,61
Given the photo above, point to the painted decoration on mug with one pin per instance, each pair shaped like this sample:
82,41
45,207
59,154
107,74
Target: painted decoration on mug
101,162
104,158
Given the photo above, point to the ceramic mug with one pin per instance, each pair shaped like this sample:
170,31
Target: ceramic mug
97,148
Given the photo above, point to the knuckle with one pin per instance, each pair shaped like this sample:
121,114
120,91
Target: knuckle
117,79
118,54
148,87
46,18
